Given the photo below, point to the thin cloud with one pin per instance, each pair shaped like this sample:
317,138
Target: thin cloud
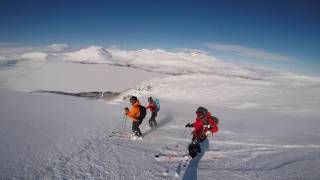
189,50
58,47
248,52
12,51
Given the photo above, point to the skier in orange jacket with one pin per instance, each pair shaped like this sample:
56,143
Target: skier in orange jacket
135,115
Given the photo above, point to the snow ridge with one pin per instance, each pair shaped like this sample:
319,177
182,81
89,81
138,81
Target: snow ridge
92,54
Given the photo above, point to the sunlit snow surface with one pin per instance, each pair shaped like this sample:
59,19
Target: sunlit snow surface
269,118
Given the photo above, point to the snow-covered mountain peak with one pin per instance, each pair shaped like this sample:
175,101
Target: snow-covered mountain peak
92,54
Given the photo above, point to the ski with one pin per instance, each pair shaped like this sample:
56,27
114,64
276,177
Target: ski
183,160
123,135
119,134
175,157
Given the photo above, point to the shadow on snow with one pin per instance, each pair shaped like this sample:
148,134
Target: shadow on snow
191,170
161,122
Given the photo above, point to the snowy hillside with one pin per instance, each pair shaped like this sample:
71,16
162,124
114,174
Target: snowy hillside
93,54
269,118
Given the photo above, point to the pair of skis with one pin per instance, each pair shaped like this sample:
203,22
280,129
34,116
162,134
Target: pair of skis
158,156
182,159
172,154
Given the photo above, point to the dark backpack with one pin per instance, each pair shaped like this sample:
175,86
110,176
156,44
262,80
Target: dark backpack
143,113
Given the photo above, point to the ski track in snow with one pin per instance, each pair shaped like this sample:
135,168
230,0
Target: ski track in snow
97,156
101,158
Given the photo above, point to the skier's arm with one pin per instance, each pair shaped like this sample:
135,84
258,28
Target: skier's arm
155,106
152,106
213,127
134,113
190,125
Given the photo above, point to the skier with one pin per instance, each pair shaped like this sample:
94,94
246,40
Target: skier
152,106
136,115
204,125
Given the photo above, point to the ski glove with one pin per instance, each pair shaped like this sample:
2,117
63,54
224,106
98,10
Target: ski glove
188,125
126,110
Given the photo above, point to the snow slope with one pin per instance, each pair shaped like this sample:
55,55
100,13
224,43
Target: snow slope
74,144
269,118
72,77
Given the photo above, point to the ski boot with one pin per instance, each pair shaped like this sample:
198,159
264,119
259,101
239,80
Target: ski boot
153,124
137,135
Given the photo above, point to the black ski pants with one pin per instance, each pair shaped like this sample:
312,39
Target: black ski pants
153,118
135,127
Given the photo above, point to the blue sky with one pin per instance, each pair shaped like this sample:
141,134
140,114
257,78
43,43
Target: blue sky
274,33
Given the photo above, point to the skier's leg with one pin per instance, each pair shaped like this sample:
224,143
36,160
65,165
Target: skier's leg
192,150
139,134
154,118
194,147
135,128
150,121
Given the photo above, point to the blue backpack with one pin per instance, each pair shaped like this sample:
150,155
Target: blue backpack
158,104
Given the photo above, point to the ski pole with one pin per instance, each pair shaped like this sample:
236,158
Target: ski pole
184,134
185,131
124,125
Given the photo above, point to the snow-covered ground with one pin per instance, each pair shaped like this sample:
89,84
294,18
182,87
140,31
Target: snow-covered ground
269,118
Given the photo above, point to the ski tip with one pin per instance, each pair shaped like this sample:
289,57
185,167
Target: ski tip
177,175
166,172
137,138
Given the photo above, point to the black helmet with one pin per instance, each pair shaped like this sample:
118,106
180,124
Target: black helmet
202,111
150,99
133,99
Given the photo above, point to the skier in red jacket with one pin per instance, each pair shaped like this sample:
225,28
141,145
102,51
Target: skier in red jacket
152,106
204,125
